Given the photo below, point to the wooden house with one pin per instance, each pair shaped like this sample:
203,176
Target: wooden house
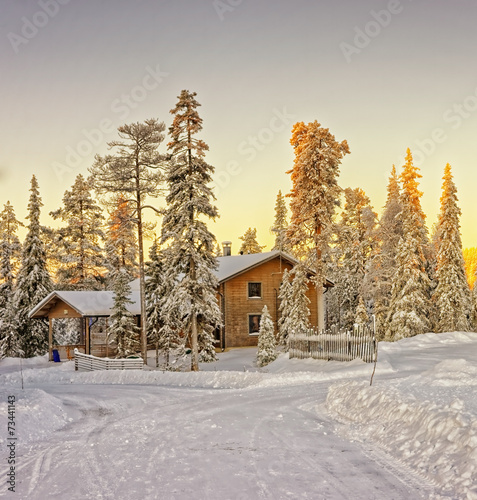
246,284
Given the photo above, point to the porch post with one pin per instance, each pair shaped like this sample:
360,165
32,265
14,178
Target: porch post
87,346
50,338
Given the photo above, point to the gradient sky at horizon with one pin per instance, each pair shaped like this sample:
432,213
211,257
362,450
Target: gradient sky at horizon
384,75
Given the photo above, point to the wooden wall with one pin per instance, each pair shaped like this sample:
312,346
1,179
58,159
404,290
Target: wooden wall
238,306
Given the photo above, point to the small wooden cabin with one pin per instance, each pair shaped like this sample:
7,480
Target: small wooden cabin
89,309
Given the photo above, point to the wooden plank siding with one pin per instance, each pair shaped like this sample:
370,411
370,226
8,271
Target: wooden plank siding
238,305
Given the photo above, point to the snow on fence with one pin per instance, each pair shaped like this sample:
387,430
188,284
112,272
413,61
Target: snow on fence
88,362
334,344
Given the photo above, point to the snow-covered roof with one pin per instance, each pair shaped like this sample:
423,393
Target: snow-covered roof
85,303
233,265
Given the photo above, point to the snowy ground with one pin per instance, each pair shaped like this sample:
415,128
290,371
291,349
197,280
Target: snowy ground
296,429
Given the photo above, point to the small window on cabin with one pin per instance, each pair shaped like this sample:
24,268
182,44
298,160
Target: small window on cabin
254,324
254,290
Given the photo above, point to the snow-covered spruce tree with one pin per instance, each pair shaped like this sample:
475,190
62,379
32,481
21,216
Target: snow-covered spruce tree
121,241
361,314
183,227
294,305
285,325
314,196
33,283
10,252
280,225
250,243
123,329
382,263
452,296
162,312
79,241
409,307
134,171
353,244
267,345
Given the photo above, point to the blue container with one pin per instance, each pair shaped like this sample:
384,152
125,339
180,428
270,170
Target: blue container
56,356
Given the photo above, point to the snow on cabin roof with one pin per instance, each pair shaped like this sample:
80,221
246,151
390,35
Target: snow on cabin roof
86,303
232,265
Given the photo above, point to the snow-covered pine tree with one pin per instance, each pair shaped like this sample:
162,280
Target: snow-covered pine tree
294,305
79,241
314,195
267,345
121,240
351,250
162,313
452,296
280,225
32,285
409,306
123,329
361,314
135,171
285,324
191,243
382,263
250,243
10,252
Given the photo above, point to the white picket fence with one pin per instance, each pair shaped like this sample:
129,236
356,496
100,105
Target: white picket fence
87,362
334,344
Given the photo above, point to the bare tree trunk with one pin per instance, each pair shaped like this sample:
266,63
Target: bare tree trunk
142,279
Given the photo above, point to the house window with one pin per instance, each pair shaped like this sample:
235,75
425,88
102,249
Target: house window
254,290
253,324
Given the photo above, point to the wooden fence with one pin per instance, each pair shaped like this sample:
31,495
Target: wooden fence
87,362
334,344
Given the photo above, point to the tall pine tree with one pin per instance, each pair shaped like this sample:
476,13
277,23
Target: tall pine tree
409,308
192,245
452,295
314,195
134,171
79,241
33,283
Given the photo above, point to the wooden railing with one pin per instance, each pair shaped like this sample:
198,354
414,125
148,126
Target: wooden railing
334,344
87,362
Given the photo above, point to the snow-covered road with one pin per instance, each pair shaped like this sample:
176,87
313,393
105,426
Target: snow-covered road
298,429
128,442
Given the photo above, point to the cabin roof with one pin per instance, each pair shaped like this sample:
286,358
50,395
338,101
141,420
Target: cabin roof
233,265
85,303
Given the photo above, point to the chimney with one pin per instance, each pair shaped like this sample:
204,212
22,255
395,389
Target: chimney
227,248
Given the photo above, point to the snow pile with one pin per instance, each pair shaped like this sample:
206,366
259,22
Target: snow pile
438,442
37,415
452,373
